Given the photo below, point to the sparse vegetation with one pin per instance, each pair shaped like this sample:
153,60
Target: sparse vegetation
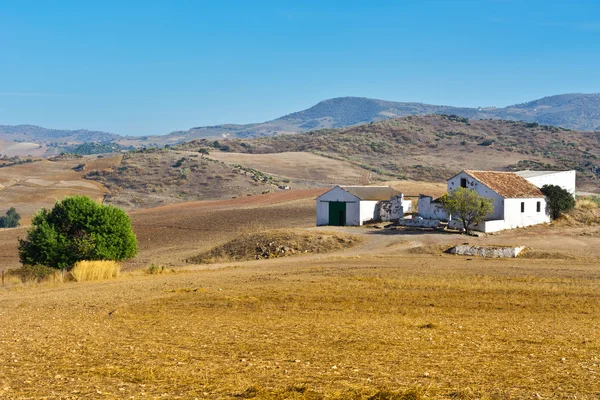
32,273
391,147
153,177
274,244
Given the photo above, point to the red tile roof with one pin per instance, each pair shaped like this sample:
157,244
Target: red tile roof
507,184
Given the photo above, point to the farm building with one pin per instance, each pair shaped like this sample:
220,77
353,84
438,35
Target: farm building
564,179
354,205
517,201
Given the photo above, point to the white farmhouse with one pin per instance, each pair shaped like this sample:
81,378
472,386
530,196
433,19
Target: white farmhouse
354,205
564,179
517,202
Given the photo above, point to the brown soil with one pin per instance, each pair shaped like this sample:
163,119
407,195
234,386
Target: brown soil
301,168
257,245
390,316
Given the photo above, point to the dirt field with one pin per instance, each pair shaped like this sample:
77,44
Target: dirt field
10,148
392,316
29,187
301,167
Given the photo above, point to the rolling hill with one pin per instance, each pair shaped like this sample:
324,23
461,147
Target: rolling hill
573,111
433,147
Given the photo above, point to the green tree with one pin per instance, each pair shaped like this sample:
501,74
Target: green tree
467,206
11,219
558,200
78,228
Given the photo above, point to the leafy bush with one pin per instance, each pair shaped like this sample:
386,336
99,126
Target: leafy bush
558,200
11,219
76,229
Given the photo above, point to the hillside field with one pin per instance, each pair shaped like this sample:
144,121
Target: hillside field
392,316
31,186
433,148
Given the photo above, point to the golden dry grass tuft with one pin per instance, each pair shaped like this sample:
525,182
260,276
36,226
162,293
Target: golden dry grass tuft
95,270
586,212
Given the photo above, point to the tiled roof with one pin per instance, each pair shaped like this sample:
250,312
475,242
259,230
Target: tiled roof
507,184
371,192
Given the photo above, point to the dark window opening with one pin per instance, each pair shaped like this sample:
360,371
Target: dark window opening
539,206
463,182
522,206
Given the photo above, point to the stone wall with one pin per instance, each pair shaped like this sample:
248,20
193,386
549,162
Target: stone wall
487,251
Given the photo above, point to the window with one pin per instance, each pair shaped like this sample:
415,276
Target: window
522,206
463,182
539,206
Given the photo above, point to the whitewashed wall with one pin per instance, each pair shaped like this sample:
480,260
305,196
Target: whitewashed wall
514,218
429,210
480,188
394,209
338,194
564,179
368,211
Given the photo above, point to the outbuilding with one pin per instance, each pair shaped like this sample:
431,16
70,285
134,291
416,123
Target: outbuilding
564,179
354,205
517,202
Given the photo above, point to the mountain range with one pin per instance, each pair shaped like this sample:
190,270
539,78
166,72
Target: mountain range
573,111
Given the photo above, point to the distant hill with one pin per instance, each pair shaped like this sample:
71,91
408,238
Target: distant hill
32,133
573,111
434,147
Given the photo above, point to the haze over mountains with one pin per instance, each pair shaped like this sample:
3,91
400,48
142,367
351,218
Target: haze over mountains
573,111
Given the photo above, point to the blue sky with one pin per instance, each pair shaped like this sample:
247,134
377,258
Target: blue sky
151,67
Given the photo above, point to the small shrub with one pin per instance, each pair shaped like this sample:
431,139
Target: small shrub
32,273
154,269
95,270
487,142
11,219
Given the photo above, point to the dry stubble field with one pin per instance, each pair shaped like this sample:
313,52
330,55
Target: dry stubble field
391,317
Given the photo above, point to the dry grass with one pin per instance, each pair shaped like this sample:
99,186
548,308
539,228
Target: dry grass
95,270
395,327
373,321
586,212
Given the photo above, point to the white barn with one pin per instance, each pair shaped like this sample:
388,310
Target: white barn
354,205
564,179
517,202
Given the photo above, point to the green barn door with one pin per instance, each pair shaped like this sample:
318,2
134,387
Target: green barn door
337,213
